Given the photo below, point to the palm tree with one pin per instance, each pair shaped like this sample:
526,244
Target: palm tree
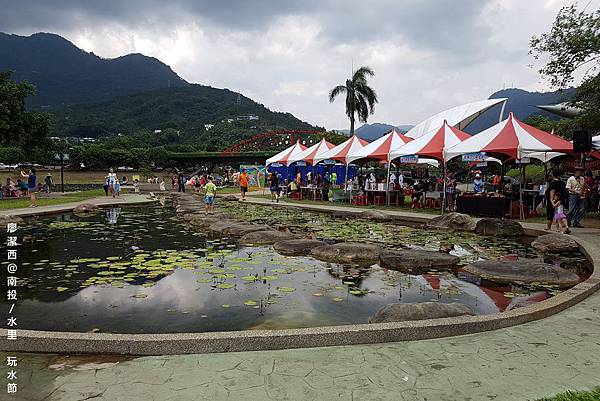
360,97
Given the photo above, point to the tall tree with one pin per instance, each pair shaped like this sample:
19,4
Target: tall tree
360,97
573,50
19,127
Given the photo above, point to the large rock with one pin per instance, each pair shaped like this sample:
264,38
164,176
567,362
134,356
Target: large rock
295,247
201,220
229,198
555,243
522,271
267,237
375,215
453,221
419,311
86,208
5,219
348,252
414,261
342,214
220,226
238,229
499,227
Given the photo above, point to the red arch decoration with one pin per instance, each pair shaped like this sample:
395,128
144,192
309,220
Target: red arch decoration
268,141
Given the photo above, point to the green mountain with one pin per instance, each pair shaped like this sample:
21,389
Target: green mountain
187,109
65,74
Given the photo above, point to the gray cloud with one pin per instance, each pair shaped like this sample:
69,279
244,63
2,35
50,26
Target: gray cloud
428,55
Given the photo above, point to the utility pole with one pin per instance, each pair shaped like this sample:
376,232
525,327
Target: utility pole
62,157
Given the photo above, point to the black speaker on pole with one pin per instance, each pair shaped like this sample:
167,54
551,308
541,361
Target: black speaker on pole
582,141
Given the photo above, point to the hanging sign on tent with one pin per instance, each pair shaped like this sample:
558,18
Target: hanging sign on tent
276,165
301,163
474,157
412,159
523,160
329,162
481,164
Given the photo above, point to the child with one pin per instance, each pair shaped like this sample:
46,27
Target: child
559,214
117,187
210,190
162,185
136,186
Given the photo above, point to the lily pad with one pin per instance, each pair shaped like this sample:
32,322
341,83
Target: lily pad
250,303
286,289
61,289
225,286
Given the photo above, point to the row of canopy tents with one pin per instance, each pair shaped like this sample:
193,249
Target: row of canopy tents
510,139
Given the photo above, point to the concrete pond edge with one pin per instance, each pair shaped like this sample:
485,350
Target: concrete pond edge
260,340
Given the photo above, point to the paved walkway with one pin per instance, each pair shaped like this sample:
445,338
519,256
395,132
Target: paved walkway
519,363
123,200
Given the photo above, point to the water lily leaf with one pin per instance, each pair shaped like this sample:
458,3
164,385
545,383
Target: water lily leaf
225,286
270,278
286,289
338,299
318,294
61,289
205,280
140,295
250,303
225,305
249,278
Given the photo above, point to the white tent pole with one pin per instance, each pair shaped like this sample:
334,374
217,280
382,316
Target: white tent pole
502,111
387,184
346,183
444,186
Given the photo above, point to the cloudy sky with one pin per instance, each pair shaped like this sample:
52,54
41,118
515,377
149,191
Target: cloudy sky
427,55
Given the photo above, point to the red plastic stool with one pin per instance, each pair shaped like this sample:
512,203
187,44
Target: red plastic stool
379,200
429,203
359,200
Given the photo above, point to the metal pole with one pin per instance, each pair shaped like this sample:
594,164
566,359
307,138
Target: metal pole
62,180
444,186
387,184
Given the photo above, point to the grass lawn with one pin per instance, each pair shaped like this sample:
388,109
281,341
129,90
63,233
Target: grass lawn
6,204
576,396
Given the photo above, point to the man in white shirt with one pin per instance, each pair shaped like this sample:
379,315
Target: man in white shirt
401,180
575,185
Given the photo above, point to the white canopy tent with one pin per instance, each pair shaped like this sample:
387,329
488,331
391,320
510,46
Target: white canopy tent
309,155
284,156
459,116
596,142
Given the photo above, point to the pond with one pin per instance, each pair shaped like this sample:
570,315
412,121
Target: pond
140,270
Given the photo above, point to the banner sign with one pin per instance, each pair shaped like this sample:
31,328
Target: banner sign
329,162
474,157
481,164
301,163
276,165
413,159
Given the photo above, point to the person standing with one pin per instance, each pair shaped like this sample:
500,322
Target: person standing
556,186
112,178
575,186
450,191
559,216
210,190
117,188
162,185
181,182
30,185
243,179
477,184
274,187
591,189
48,183
334,178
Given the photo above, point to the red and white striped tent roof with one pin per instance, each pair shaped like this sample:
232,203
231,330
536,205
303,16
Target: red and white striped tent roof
284,156
381,148
511,139
308,155
433,144
341,151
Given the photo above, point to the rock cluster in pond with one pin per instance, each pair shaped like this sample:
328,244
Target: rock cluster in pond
297,247
266,237
453,221
348,252
5,219
419,311
499,227
86,209
555,243
413,261
522,271
375,215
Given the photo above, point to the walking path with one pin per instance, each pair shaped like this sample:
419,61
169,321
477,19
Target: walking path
524,362
123,200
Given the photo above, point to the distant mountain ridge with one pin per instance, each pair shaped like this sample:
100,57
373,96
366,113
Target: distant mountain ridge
371,132
65,74
521,103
